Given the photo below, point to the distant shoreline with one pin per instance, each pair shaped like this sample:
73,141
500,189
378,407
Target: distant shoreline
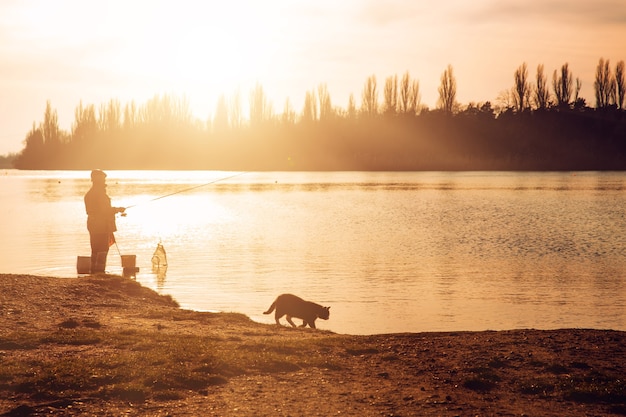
333,170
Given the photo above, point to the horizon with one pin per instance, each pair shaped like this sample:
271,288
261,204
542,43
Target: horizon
133,52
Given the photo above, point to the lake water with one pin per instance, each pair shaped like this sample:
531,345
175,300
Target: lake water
389,252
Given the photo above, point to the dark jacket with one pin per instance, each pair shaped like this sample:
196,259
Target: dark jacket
100,214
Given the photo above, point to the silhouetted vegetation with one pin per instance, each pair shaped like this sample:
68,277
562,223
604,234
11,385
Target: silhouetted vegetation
7,161
530,127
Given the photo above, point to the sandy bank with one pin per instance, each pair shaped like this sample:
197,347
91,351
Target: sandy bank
107,346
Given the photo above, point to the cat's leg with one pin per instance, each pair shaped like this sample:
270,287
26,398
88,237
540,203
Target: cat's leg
290,321
277,317
310,322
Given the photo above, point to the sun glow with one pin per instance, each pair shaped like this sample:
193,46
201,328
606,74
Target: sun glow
72,51
202,51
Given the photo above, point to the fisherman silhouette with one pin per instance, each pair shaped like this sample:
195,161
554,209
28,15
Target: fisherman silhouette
100,220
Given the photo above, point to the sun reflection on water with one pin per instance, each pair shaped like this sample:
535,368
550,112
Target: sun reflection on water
390,252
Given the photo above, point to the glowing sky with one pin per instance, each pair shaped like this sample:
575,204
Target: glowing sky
66,51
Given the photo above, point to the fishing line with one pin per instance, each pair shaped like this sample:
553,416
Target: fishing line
187,189
118,249
169,195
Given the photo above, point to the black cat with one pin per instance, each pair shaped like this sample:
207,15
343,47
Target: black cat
293,306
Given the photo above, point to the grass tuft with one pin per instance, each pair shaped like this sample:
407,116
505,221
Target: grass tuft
596,387
484,380
538,386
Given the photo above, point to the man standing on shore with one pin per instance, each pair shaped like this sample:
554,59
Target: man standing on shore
100,220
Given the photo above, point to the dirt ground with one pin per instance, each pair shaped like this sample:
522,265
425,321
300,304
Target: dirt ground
567,372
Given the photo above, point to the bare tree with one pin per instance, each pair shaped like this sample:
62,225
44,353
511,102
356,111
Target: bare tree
504,101
447,91
603,84
415,98
160,111
369,97
390,94
85,124
220,120
102,112
563,85
620,85
521,91
326,107
50,128
309,112
403,101
289,114
110,116
542,95
260,109
35,140
130,115
235,113
409,99
351,107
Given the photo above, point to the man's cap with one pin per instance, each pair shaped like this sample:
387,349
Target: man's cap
97,174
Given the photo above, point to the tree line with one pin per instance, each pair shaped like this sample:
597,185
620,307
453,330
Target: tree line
537,124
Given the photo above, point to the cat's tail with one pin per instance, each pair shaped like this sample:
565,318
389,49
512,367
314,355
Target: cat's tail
272,307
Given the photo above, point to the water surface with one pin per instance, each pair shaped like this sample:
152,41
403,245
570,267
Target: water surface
389,252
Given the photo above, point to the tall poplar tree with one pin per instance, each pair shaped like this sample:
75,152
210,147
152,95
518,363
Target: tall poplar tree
447,91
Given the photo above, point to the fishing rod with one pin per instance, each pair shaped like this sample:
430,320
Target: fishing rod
186,189
132,269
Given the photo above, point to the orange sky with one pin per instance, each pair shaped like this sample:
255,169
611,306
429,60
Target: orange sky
66,51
